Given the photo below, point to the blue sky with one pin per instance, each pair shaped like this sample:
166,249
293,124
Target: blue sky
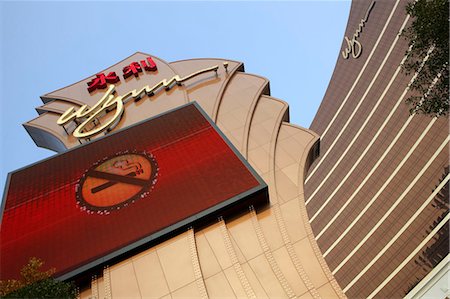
49,45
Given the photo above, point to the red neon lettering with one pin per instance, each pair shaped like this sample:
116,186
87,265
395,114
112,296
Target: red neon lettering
100,81
133,69
151,67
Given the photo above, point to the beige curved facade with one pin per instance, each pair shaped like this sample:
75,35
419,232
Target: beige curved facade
270,253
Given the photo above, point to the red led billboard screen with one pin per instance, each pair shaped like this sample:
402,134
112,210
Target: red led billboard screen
81,208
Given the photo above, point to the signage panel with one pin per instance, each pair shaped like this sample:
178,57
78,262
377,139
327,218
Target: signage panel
91,204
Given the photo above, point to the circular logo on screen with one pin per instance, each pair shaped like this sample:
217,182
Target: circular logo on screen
116,182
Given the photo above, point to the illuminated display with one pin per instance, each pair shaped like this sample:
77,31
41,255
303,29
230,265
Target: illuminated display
88,205
116,182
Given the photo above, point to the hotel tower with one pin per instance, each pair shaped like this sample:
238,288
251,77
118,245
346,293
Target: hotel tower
377,196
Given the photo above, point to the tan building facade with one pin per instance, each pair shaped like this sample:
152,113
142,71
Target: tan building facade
268,253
